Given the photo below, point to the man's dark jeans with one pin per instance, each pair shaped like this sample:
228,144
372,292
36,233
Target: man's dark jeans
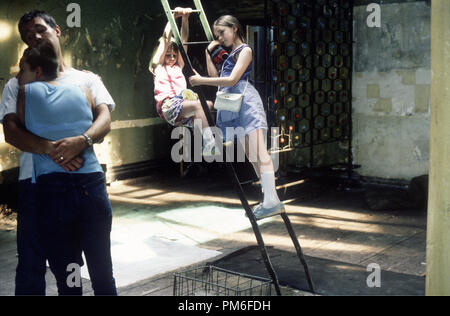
75,215
31,268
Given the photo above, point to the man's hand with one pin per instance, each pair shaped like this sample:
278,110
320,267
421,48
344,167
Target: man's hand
67,149
68,165
74,164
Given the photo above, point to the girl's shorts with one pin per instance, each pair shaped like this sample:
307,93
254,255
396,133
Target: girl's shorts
171,108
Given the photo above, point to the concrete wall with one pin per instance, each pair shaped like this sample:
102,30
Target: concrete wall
115,40
391,90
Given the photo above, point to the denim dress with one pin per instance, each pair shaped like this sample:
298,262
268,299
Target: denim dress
251,116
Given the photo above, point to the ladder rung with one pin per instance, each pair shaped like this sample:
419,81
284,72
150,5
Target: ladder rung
247,182
196,43
193,11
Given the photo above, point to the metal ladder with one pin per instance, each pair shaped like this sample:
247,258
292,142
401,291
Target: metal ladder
190,71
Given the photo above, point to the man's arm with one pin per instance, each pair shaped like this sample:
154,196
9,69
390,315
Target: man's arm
21,105
17,136
102,123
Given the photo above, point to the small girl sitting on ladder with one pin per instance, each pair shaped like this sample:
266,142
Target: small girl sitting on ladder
174,102
251,117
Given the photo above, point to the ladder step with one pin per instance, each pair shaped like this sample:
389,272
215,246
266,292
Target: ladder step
247,182
196,43
193,11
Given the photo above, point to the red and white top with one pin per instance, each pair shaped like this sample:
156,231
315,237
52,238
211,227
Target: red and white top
169,82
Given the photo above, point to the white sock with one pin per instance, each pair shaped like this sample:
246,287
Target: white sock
208,136
270,193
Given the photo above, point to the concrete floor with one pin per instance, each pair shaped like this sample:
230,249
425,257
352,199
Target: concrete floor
163,224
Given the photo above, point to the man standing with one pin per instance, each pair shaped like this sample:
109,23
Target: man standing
34,27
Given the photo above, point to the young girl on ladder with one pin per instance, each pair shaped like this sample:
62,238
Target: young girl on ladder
233,79
174,102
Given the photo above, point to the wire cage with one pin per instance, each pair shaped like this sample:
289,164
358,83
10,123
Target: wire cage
214,281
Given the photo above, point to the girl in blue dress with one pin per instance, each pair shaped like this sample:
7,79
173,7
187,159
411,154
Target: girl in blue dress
251,119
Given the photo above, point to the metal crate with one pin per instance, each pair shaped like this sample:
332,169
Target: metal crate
214,281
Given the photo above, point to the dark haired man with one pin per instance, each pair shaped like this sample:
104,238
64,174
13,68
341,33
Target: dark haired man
35,27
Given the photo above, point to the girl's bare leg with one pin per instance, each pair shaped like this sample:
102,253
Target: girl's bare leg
195,109
256,151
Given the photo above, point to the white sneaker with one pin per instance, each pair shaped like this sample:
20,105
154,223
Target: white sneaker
260,212
209,149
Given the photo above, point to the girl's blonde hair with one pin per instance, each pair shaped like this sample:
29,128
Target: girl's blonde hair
231,21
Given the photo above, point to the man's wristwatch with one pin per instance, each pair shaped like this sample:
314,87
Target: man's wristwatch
88,140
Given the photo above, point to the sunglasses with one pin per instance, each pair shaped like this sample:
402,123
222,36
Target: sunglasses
171,55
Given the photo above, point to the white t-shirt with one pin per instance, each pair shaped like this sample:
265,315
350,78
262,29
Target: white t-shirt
70,76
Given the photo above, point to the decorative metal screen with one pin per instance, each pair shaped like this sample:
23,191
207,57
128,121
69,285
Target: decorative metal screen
312,69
